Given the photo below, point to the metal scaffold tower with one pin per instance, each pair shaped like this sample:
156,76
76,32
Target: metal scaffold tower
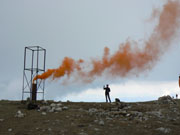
34,64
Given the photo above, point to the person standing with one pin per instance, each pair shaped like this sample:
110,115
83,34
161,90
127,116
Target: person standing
107,90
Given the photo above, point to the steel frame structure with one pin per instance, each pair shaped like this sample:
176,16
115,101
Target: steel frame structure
30,72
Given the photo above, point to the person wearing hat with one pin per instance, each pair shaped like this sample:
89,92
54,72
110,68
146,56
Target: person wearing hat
107,90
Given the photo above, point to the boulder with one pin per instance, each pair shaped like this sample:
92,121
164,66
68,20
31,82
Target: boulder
45,108
59,105
166,100
53,105
53,109
58,109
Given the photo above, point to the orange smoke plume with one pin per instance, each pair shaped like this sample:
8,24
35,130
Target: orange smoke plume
68,66
129,58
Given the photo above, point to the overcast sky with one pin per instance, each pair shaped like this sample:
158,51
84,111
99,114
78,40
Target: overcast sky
81,29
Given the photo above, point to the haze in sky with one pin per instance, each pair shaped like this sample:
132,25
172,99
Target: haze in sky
80,30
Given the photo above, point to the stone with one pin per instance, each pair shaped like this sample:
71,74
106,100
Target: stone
82,133
115,109
166,100
123,112
101,122
137,114
10,129
95,121
96,129
140,119
58,109
45,108
19,114
145,118
47,121
49,129
80,109
92,110
53,105
59,105
1,120
65,108
107,118
53,109
164,130
156,113
43,113
127,107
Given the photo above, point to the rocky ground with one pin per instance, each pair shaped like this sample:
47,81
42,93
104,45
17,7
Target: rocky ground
69,118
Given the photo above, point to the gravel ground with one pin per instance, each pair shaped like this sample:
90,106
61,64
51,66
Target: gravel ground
81,118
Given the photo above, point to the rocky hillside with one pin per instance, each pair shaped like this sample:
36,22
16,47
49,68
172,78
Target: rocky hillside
68,118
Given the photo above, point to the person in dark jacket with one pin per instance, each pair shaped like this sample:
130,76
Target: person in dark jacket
107,90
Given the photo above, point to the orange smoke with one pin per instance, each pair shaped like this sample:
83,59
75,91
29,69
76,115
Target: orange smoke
68,66
129,58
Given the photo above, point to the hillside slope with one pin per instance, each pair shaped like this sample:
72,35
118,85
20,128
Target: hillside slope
70,118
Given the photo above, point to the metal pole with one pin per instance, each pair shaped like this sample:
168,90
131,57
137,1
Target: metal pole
44,71
24,72
32,72
37,62
37,70
44,58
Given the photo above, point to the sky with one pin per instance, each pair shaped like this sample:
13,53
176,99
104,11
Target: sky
81,29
